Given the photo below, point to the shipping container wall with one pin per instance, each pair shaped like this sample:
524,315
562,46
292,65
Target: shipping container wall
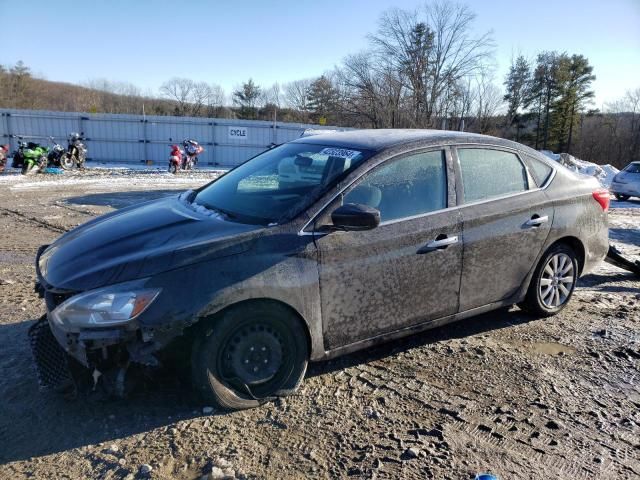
146,139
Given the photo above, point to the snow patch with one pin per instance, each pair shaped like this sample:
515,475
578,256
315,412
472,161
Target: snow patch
604,173
196,207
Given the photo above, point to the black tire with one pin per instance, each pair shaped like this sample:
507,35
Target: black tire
536,302
266,337
26,168
621,197
66,162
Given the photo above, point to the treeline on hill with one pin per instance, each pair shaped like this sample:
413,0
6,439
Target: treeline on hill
421,69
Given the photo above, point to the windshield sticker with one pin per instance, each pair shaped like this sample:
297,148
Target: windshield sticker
340,152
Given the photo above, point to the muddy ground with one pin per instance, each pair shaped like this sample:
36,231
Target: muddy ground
504,392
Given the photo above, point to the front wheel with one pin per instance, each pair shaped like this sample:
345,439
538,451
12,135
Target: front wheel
553,282
251,354
66,162
27,168
621,197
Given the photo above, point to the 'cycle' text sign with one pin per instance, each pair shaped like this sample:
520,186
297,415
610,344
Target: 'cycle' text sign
238,133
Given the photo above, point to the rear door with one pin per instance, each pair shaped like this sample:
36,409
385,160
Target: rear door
506,219
393,276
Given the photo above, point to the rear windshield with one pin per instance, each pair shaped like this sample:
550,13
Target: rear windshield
279,183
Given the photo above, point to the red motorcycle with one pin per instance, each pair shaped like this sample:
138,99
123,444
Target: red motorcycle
175,159
4,150
192,149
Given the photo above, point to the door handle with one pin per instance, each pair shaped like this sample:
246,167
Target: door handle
440,243
536,221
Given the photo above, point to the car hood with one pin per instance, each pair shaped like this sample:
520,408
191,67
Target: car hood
140,241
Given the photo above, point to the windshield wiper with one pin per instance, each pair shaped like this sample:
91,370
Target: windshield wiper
226,213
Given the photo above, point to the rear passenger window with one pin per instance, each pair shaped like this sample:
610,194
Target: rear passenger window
402,188
540,170
490,173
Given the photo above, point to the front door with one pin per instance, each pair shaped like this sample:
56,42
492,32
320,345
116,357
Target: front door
405,271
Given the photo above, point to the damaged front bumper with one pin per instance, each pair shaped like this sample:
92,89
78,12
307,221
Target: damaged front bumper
100,350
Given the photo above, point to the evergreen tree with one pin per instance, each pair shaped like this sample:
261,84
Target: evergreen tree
574,79
323,98
246,97
517,83
20,76
543,91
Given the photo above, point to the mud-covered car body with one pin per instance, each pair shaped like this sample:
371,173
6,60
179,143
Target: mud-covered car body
351,289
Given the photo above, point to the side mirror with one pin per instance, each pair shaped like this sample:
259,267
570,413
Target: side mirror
355,217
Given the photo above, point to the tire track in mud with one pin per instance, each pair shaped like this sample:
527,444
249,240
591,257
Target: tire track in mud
81,211
33,220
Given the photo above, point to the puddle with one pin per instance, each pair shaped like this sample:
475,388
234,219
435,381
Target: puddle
546,348
15,258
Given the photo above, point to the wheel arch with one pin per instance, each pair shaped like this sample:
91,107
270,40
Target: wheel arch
572,242
210,318
576,245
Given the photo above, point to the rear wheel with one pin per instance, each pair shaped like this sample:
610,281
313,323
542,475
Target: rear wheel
621,197
251,354
553,282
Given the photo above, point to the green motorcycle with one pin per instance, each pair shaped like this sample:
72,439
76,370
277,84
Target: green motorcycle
34,157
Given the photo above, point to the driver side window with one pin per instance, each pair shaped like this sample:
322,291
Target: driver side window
409,186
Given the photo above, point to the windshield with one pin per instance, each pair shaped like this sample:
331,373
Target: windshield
632,168
279,183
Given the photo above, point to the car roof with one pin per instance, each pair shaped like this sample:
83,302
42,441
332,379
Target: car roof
381,139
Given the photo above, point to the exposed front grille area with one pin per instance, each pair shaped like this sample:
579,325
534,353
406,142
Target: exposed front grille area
51,360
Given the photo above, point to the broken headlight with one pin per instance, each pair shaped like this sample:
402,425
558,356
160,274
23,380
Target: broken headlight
105,307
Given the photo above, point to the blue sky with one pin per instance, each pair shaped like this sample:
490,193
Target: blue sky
226,42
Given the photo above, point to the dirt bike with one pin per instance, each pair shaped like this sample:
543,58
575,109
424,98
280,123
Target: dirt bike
4,149
58,156
175,159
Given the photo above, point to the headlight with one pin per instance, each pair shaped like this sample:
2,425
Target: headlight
104,307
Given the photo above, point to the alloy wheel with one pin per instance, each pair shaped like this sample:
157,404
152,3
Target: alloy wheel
557,280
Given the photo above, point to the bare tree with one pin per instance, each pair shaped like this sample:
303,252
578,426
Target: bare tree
181,91
488,100
370,90
432,50
296,96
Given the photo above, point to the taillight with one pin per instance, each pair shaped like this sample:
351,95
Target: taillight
602,197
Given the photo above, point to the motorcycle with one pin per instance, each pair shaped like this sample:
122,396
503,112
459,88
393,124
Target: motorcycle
175,159
30,157
191,151
76,150
59,157
4,149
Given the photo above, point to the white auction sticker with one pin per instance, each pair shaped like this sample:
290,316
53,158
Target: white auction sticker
340,152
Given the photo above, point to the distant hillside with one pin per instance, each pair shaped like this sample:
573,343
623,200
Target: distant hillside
19,89
25,91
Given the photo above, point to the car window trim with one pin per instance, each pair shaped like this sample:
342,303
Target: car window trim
452,155
432,148
479,146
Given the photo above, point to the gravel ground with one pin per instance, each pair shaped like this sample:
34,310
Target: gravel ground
504,392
